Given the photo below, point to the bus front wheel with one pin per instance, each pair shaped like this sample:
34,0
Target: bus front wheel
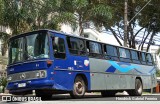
138,88
79,88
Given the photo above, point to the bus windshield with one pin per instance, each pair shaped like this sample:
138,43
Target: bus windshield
29,47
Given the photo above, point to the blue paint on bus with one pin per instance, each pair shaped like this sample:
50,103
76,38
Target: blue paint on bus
122,69
111,69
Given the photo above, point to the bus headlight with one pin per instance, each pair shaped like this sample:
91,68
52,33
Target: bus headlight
9,78
38,74
43,74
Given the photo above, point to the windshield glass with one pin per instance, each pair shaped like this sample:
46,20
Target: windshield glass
30,47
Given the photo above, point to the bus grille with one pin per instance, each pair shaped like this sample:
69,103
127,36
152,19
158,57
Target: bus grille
26,75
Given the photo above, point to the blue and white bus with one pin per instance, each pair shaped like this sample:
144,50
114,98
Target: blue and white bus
51,62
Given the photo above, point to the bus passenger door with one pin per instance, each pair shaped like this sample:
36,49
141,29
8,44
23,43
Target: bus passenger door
61,76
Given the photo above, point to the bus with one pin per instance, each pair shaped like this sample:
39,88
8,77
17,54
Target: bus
50,62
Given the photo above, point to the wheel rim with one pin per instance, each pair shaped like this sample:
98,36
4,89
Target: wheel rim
79,88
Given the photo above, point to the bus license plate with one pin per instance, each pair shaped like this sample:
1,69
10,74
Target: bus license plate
22,85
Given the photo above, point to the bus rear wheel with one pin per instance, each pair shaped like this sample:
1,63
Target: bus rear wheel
79,88
138,88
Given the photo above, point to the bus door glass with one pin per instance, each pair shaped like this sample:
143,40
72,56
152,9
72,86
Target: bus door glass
59,51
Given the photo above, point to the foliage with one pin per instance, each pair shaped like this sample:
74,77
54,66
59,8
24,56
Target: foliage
87,11
3,82
158,73
27,15
3,60
145,19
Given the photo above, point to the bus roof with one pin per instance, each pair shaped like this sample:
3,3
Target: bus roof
71,35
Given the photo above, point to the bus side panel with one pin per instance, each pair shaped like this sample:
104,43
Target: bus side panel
97,69
146,80
66,74
65,70
102,80
118,75
80,66
64,80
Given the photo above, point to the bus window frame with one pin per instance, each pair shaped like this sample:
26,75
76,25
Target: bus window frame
136,61
149,63
84,41
111,57
64,47
94,55
23,36
125,59
143,62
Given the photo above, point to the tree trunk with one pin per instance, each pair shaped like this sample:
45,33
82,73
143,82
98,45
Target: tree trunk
80,29
144,40
4,49
115,35
80,26
125,23
149,44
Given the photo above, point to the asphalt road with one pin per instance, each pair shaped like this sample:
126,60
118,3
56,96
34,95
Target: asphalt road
93,97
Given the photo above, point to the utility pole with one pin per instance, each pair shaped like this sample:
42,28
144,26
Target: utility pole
125,22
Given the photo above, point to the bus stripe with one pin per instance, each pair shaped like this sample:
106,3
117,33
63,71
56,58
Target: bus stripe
111,69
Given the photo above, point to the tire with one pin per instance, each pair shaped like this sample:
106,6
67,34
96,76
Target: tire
108,93
138,89
79,88
44,96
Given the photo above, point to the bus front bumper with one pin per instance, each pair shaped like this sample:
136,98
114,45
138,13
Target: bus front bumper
21,86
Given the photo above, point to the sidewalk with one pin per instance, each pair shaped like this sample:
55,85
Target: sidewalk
4,94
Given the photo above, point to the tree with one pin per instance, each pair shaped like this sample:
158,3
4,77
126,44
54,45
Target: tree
3,82
28,15
143,19
153,21
87,11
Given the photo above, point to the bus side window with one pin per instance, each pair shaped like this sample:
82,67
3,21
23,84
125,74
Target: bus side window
143,58
59,48
125,55
149,59
95,49
111,52
76,46
135,57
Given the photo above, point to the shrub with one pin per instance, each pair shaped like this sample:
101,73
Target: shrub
3,82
